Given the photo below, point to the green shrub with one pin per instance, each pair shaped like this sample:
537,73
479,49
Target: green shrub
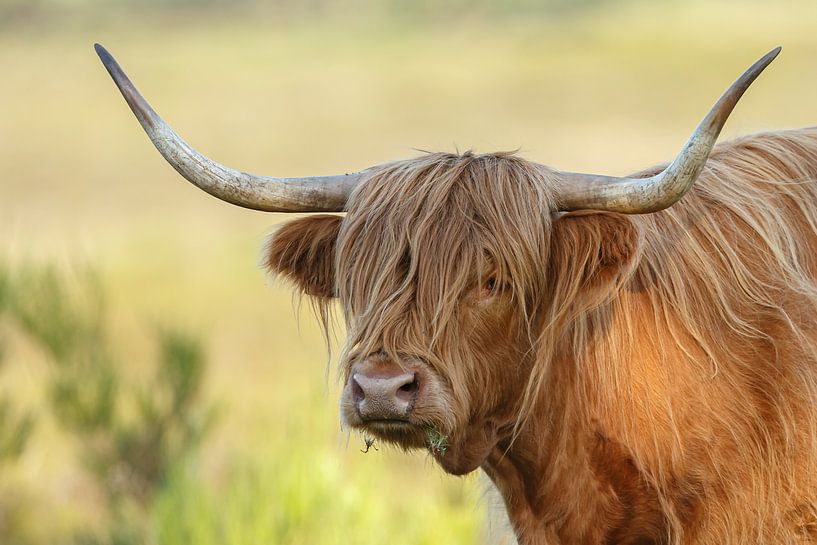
130,435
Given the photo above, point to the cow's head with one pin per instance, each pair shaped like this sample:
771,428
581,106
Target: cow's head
446,267
454,273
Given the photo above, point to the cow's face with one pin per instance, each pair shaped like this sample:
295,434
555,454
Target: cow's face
452,277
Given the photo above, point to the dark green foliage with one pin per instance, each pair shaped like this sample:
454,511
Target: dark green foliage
15,427
67,322
168,423
5,286
15,430
130,434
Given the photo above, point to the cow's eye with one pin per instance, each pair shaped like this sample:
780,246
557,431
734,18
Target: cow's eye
489,286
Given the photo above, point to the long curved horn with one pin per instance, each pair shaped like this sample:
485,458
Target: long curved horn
311,194
644,195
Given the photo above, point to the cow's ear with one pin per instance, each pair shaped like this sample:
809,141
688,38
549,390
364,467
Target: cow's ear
596,248
303,251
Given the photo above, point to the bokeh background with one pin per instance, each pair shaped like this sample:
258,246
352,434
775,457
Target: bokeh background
155,387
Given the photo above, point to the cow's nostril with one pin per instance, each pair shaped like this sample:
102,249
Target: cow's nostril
410,387
408,390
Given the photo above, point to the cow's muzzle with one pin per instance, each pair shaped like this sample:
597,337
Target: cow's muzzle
384,394
396,402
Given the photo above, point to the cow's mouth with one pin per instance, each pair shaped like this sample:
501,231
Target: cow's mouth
386,422
398,431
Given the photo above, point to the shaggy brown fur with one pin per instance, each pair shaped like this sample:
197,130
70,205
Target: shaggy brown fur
625,379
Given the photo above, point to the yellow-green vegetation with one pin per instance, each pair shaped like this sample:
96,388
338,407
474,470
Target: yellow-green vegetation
611,87
298,489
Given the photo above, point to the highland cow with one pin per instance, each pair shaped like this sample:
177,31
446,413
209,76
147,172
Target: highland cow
630,360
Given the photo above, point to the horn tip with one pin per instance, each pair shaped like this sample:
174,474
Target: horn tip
774,52
106,58
101,51
765,61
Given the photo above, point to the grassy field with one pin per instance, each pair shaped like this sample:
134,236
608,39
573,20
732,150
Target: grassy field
609,89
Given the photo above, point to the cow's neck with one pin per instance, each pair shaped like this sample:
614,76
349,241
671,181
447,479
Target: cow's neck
565,480
539,475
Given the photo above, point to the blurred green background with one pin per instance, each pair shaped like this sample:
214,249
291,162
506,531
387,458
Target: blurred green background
155,388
